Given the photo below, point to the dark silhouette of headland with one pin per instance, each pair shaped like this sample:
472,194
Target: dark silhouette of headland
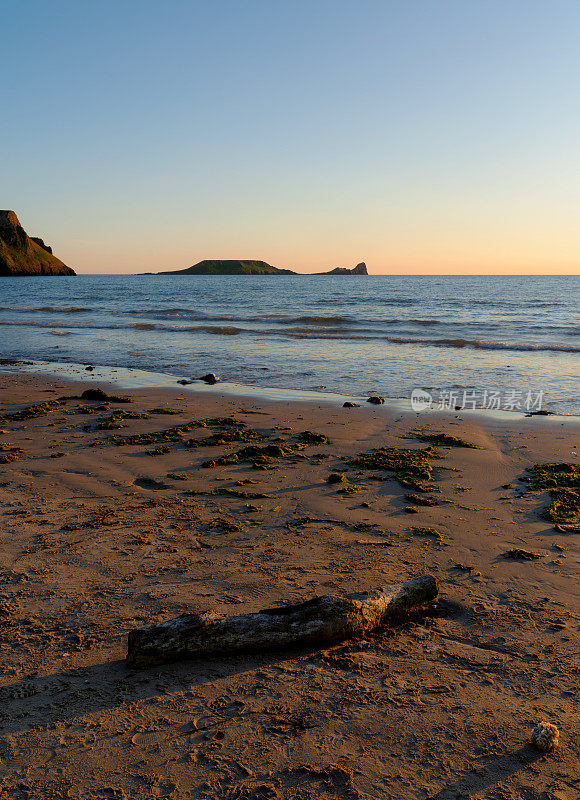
21,254
251,267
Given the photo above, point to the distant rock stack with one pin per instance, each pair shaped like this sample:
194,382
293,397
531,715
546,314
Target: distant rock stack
24,255
360,269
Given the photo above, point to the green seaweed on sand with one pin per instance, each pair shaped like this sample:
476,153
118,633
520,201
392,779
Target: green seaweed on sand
411,510
352,488
336,477
162,450
7,458
562,480
226,525
164,411
115,420
410,467
9,453
554,476
80,409
32,411
226,436
567,528
174,434
224,491
178,476
433,533
441,439
420,500
259,457
565,506
517,554
177,432
309,437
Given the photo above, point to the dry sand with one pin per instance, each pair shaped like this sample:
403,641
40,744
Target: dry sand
97,540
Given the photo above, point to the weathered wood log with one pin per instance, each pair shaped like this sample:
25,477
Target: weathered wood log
320,620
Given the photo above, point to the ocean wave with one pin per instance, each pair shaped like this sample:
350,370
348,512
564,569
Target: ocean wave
322,320
173,313
61,309
477,344
452,302
219,330
307,332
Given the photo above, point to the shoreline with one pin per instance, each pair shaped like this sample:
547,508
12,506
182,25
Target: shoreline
135,379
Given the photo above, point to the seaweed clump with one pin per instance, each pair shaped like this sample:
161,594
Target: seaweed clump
420,500
565,506
224,491
410,467
177,432
417,530
517,554
162,450
259,457
9,453
309,437
32,411
554,476
115,420
442,440
562,480
239,433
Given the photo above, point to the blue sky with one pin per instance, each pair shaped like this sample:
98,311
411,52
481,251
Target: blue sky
423,136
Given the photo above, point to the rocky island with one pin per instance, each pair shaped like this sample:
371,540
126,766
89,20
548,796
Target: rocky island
21,254
251,267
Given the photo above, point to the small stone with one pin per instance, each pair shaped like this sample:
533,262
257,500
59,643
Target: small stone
349,404
545,737
210,378
376,401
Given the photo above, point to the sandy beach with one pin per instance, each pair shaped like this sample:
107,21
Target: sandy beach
113,521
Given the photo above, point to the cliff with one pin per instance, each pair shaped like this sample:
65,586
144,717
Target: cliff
21,254
250,267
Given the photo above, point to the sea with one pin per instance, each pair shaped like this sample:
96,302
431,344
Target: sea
512,340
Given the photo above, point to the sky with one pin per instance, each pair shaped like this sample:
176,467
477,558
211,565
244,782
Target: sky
421,136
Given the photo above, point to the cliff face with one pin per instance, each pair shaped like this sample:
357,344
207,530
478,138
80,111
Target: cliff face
22,255
250,267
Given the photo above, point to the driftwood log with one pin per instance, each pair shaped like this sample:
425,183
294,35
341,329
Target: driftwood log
320,620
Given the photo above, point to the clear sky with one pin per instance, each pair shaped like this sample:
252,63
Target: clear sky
417,135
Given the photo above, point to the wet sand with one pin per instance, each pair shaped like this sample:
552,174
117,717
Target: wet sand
98,539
